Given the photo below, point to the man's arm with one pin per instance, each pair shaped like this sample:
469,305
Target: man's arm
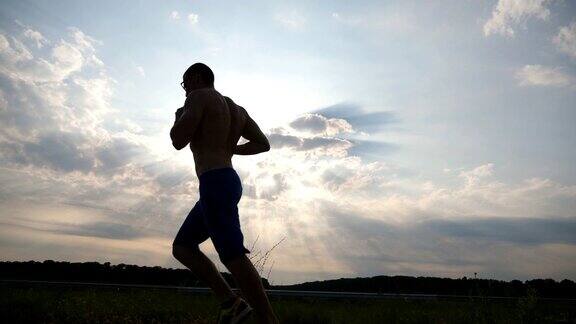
257,141
185,125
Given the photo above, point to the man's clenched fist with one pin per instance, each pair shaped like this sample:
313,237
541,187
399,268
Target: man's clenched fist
179,112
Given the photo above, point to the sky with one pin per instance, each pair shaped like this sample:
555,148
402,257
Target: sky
420,138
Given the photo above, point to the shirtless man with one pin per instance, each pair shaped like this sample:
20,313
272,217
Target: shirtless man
213,124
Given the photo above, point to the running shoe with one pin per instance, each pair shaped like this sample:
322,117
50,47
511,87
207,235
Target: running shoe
235,313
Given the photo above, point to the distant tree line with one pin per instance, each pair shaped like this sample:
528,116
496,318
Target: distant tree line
548,288
134,274
50,270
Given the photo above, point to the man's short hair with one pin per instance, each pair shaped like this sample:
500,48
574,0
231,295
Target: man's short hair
201,69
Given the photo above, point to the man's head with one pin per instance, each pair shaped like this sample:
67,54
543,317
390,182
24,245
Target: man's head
197,76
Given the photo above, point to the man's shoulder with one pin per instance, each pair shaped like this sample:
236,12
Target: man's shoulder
197,98
229,101
234,105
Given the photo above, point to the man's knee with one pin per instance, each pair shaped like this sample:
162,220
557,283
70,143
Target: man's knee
182,252
232,259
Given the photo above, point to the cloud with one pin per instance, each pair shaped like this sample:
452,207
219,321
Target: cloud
117,152
566,39
103,229
84,41
421,228
318,124
483,196
371,150
522,231
394,224
36,36
358,118
539,75
141,71
328,143
386,192
328,132
175,15
270,190
390,21
284,140
489,246
322,145
14,53
33,35
66,58
60,151
507,13
316,144
52,122
352,175
193,18
293,20
474,176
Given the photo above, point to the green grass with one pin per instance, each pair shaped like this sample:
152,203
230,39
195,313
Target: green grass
111,305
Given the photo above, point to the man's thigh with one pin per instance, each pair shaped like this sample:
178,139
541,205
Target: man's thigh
222,221
193,231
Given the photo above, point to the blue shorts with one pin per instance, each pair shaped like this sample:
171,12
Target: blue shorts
215,215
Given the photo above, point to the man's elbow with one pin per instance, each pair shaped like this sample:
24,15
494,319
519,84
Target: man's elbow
176,146
266,147
177,142
179,145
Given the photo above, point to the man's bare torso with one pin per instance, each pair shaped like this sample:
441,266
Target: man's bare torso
218,132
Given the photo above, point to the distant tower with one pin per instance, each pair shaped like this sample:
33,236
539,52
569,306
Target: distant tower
474,275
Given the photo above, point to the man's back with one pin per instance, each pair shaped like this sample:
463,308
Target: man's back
218,131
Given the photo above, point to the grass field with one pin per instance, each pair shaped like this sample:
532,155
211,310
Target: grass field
112,305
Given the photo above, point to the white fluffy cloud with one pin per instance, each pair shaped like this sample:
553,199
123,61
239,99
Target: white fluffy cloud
316,145
33,35
53,108
539,75
318,124
193,18
509,13
566,39
175,15
67,57
36,36
141,71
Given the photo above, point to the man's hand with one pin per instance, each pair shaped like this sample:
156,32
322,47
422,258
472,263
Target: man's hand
187,120
179,112
257,141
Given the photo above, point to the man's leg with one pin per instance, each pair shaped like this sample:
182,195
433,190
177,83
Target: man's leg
250,283
185,249
205,269
220,192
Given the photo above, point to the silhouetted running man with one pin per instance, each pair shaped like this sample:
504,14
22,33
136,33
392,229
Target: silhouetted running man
213,124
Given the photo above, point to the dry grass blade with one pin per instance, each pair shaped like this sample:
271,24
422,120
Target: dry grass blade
259,260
